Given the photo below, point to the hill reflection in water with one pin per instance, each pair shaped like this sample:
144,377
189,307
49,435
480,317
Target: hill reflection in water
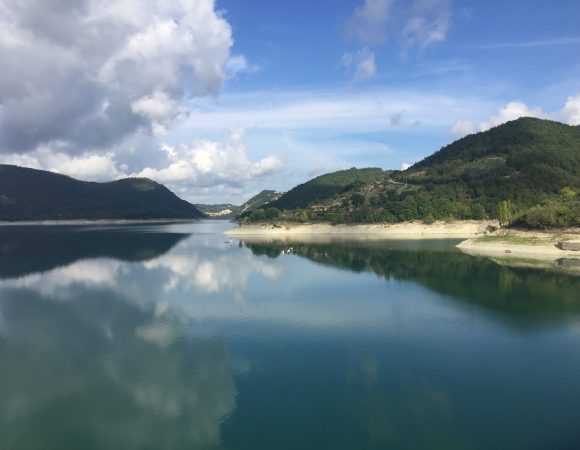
25,250
479,281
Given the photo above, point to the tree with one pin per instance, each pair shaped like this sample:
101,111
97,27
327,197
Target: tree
504,212
272,213
477,211
357,200
257,215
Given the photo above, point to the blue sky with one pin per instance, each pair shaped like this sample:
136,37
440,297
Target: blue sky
221,99
493,53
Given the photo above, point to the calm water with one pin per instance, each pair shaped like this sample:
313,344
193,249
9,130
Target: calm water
166,337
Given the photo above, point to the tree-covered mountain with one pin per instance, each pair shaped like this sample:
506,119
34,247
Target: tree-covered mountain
527,170
30,194
521,161
327,186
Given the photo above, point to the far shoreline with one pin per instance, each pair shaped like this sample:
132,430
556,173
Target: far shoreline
405,230
508,245
94,222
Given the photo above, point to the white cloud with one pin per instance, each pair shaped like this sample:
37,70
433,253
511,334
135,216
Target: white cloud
200,172
368,22
551,42
420,23
429,23
157,106
93,72
512,111
334,111
207,163
569,114
238,64
88,167
462,128
571,111
405,166
361,64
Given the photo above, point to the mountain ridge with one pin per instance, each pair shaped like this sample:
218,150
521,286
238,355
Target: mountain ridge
33,194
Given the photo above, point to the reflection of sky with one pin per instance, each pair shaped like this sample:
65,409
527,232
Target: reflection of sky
93,348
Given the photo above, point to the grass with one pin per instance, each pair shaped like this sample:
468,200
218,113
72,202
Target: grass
517,240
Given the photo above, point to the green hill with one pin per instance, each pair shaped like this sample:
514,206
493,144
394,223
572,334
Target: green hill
520,161
327,186
30,194
529,166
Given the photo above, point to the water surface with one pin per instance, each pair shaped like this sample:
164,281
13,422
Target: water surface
171,337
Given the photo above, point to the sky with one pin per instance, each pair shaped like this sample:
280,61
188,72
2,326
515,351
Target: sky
221,99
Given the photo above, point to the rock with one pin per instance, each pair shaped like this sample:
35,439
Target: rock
569,245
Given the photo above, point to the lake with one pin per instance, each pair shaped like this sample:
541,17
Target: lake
172,337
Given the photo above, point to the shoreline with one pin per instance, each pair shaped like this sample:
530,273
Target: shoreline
404,230
27,223
523,245
510,247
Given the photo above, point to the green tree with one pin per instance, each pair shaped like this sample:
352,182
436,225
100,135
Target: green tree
357,200
504,212
477,211
258,215
272,213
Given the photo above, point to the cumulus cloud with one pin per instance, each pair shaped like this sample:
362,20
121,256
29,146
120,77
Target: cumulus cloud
462,128
569,114
203,168
360,64
368,22
92,72
571,111
208,163
157,106
405,166
91,167
512,111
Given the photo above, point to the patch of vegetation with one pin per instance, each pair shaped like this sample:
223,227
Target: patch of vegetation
558,212
326,186
516,239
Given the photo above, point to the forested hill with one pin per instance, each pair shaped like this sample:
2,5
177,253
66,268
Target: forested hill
328,186
29,194
521,161
528,168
